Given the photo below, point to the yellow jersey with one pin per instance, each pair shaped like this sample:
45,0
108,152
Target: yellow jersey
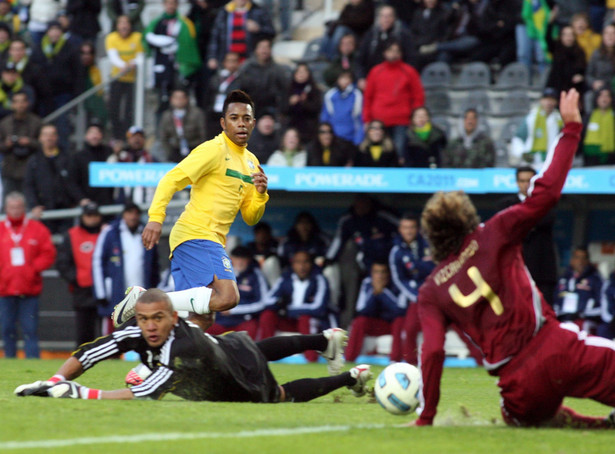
220,174
127,49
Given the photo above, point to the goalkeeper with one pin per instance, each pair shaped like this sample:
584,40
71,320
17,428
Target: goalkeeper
180,359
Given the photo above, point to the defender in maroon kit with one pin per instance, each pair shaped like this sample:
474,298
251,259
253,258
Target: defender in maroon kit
482,286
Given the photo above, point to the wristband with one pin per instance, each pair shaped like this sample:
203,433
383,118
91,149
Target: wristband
87,393
56,378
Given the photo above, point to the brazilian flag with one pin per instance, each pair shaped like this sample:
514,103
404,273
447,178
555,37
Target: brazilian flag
187,55
536,14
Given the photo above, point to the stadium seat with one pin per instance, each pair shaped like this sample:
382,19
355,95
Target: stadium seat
513,75
437,101
502,143
312,50
473,75
477,99
510,103
436,74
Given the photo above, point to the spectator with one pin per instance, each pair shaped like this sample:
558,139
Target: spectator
18,141
220,85
304,235
410,263
5,39
238,27
26,250
585,36
46,182
75,266
95,105
129,8
363,235
566,9
265,250
346,60
429,25
601,66
303,102
531,34
120,260
11,83
387,84
134,151
426,141
607,327
538,130
496,31
460,39
578,293
266,138
291,153
298,301
377,149
58,61
83,15
569,63
372,47
124,47
538,248
473,148
329,150
263,79
203,15
343,109
599,140
404,9
181,128
379,310
42,13
252,290
172,38
284,10
356,17
94,150
8,17
29,70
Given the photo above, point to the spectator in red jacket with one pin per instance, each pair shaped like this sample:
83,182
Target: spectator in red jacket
393,90
75,266
25,251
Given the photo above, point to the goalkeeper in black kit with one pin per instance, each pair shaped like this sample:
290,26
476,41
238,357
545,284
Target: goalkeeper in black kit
183,360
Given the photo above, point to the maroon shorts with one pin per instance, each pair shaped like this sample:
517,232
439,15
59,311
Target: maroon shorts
560,361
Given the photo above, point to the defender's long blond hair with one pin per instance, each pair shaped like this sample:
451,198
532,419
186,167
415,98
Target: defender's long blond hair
447,218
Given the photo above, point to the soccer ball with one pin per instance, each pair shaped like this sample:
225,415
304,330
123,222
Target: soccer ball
397,388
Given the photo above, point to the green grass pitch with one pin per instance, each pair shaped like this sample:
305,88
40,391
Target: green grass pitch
468,421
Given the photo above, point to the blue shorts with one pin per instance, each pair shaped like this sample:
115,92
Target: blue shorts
196,262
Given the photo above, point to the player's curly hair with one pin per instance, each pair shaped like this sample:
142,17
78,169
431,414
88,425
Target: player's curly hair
447,218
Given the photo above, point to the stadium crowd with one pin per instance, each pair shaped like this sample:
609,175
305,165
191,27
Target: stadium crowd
362,101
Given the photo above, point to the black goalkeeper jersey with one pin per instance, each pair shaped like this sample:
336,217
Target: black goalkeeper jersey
191,364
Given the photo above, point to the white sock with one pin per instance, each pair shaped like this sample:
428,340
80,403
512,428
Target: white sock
192,300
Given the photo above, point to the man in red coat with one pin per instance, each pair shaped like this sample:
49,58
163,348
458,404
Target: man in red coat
392,91
25,251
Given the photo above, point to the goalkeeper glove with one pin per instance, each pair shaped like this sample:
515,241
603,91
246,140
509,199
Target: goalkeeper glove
73,390
38,388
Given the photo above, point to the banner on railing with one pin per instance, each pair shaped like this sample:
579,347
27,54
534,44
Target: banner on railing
374,180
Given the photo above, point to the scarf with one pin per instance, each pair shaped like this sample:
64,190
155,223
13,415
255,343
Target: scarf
423,132
51,50
600,134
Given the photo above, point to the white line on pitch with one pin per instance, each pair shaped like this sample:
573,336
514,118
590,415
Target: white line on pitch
180,436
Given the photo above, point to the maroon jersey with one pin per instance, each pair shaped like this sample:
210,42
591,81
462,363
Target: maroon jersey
485,289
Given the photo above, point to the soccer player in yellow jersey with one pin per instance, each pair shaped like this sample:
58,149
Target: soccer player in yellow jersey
225,178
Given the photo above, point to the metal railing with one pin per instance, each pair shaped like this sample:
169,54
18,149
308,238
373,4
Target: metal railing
78,101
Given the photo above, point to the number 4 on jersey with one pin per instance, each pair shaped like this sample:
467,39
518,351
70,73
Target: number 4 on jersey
482,290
